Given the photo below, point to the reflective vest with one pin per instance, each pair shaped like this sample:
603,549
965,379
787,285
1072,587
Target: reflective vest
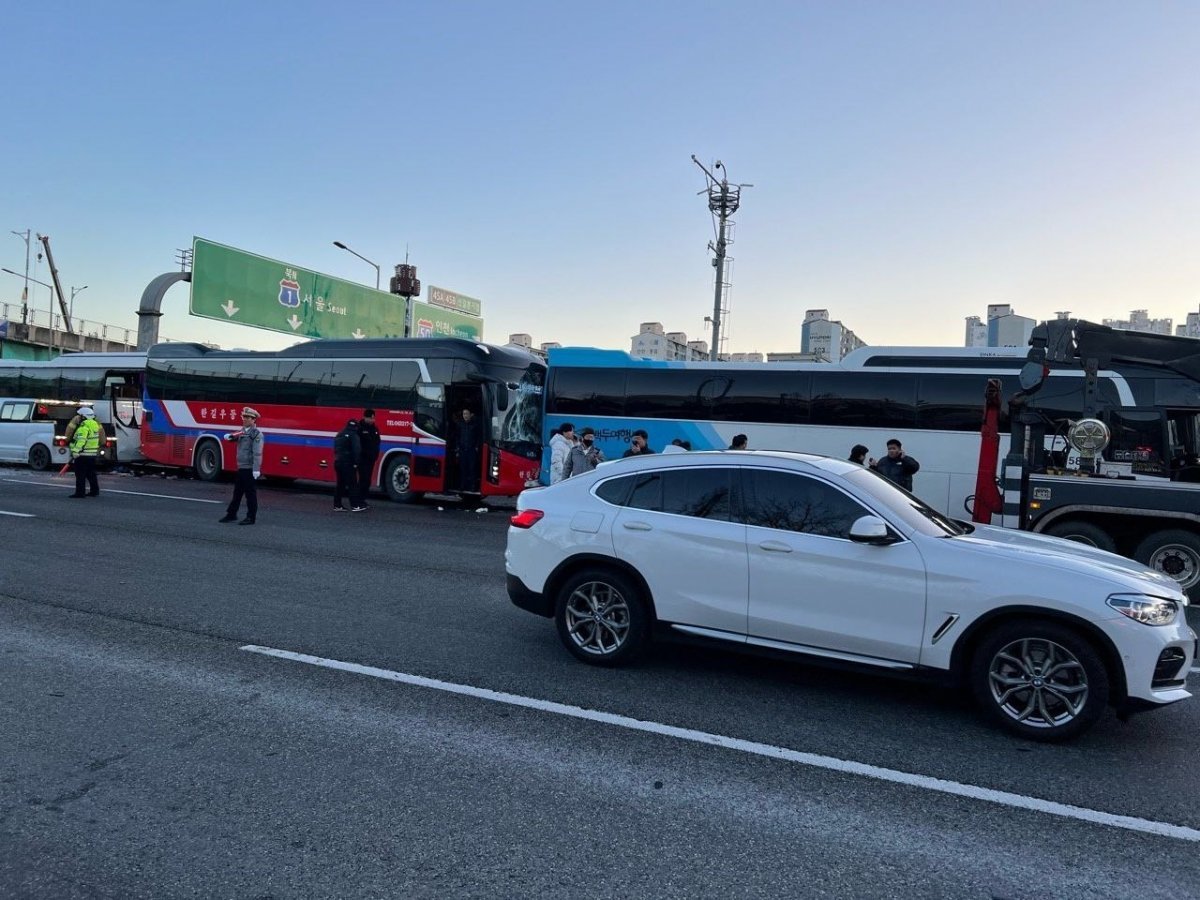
86,441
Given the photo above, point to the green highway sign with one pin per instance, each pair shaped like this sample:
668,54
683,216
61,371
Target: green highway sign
235,286
433,321
452,300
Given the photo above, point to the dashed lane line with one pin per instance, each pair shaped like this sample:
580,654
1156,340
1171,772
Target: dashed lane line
116,491
17,514
813,760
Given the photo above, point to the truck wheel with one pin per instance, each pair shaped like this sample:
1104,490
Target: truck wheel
1173,552
208,461
396,480
1040,680
39,457
1083,533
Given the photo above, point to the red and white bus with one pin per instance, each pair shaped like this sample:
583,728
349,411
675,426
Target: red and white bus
306,393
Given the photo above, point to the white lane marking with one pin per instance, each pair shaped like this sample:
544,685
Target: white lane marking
1196,670
17,514
162,496
925,782
115,491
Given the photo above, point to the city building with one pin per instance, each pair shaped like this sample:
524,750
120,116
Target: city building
1004,328
976,332
1191,328
1139,320
822,336
525,342
652,342
742,357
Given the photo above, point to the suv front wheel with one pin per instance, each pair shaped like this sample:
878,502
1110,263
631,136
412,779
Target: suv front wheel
1040,680
601,617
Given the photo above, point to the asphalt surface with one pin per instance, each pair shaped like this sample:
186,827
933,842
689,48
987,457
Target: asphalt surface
145,754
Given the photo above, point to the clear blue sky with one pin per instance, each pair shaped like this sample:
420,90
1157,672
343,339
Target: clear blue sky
911,162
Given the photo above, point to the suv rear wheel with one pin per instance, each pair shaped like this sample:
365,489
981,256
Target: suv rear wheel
1040,680
601,617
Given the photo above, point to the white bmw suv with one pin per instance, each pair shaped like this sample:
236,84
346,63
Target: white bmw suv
826,559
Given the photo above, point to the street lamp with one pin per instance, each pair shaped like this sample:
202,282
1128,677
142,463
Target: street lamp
342,246
34,281
71,307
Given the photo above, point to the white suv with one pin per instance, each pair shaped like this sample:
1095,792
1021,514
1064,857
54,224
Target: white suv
821,557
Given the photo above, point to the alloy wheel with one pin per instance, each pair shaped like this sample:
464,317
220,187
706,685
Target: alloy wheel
1038,683
597,618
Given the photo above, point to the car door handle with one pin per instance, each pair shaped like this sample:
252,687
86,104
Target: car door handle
636,526
775,547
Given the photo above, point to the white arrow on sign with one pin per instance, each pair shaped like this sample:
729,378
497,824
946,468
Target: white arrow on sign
295,321
358,334
229,308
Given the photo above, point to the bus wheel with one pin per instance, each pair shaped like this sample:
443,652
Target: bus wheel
208,461
1083,533
39,457
396,480
1173,552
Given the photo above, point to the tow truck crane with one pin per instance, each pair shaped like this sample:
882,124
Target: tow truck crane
1124,476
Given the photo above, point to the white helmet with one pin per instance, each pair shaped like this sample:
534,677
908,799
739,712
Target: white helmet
87,412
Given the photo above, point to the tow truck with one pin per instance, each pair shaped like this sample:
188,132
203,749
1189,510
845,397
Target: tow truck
1123,476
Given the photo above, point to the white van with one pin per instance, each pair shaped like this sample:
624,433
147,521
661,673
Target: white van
34,432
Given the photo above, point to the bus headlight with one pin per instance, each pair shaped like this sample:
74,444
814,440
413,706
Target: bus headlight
1145,609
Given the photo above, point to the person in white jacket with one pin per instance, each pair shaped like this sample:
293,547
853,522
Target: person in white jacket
560,445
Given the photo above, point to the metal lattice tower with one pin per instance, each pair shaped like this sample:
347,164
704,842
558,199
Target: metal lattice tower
723,201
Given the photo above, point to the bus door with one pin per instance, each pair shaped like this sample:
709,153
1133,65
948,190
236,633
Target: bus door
125,402
428,470
464,439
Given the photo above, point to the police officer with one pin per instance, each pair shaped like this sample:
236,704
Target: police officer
249,467
368,436
347,451
85,447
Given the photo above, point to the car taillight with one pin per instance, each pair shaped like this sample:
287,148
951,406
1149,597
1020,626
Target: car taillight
527,518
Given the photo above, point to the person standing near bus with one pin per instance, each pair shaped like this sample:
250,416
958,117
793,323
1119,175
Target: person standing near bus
897,466
584,456
466,449
85,447
560,446
739,442
347,452
639,444
858,454
368,436
249,467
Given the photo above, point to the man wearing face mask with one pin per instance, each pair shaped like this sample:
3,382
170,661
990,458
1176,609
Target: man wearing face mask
584,456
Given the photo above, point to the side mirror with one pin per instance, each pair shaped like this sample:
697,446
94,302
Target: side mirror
871,530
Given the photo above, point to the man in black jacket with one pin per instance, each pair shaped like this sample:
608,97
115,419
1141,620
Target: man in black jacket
347,450
896,466
368,436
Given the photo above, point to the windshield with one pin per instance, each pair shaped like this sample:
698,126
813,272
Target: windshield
521,428
913,511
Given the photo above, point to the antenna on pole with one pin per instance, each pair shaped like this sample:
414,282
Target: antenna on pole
723,201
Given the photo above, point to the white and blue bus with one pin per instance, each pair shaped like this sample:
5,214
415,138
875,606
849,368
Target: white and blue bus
931,399
39,397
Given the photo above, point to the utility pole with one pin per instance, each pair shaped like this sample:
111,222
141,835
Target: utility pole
723,201
25,235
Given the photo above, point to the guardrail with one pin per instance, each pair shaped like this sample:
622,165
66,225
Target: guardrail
39,326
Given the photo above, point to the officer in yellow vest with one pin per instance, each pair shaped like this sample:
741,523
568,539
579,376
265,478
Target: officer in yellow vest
85,447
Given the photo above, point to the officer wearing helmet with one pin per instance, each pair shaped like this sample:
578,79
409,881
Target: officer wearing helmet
85,447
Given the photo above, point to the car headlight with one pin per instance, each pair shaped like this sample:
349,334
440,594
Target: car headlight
1145,609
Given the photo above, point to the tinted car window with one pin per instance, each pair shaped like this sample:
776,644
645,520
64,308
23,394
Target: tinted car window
702,493
615,490
792,502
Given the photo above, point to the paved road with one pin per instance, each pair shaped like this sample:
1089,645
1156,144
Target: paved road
147,754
